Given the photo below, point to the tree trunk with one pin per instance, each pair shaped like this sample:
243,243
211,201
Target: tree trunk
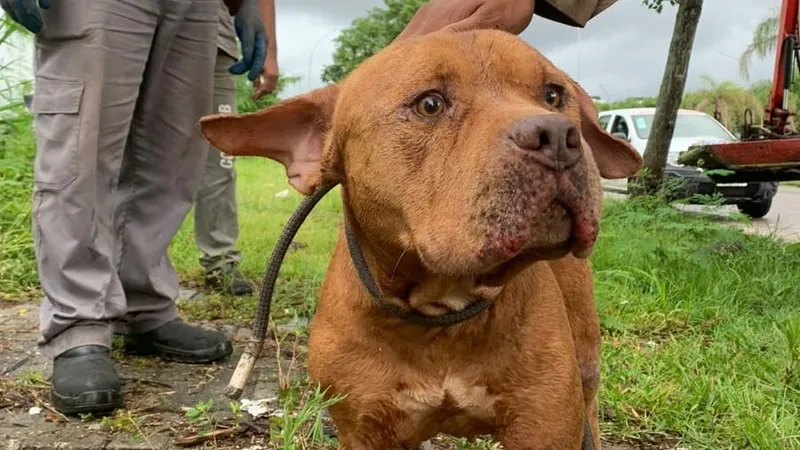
670,94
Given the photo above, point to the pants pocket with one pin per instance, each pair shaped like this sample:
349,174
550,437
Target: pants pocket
65,19
56,106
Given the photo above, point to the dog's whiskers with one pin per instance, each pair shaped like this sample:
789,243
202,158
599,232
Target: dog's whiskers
397,264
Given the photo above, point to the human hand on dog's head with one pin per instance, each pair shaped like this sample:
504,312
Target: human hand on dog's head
512,16
479,146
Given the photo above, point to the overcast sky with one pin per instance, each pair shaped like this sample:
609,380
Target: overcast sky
620,53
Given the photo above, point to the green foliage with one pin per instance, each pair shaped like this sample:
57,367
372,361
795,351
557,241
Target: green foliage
764,41
700,333
244,94
300,425
658,5
200,414
17,262
727,97
630,102
368,35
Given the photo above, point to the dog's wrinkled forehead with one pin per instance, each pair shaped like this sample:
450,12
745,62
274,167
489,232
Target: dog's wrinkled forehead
460,64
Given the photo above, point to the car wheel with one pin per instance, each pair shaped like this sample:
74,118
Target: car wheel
755,210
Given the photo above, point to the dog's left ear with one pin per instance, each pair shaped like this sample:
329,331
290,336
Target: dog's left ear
291,132
615,158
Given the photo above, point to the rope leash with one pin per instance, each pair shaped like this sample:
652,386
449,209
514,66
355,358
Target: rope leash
254,345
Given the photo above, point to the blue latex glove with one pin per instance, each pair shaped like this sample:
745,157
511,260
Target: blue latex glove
253,37
26,12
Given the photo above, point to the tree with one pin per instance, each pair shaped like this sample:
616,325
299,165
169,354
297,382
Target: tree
763,45
765,39
368,35
630,102
670,94
658,5
727,98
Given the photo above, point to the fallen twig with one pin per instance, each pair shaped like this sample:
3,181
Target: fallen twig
253,427
18,364
47,406
200,438
139,430
148,382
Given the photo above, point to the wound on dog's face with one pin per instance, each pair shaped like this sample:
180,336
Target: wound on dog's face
478,145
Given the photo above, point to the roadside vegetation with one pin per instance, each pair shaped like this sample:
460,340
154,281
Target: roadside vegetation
701,322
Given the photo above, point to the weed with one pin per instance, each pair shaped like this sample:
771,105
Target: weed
28,379
301,424
125,422
200,415
790,330
236,412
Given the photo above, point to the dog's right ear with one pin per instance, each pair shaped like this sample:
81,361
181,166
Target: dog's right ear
615,158
291,132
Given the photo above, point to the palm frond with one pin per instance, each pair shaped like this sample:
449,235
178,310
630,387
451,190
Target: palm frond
765,39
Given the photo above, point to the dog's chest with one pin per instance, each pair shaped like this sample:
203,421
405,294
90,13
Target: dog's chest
454,400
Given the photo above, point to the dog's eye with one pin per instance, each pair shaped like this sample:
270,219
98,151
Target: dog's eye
430,105
552,96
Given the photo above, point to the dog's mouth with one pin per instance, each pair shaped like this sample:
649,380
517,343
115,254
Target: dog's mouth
578,235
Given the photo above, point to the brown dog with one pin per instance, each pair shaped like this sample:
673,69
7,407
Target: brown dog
470,169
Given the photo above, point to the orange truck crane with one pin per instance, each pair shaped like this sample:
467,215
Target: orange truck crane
769,151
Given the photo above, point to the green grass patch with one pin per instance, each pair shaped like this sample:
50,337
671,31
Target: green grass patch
266,201
701,323
701,330
17,259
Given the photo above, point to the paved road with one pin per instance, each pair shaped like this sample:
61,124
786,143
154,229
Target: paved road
783,219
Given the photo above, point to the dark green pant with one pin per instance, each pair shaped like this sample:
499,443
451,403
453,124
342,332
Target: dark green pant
216,224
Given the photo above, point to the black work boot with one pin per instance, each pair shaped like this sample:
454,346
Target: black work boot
85,382
178,341
228,279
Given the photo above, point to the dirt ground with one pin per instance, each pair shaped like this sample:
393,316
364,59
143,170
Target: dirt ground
158,396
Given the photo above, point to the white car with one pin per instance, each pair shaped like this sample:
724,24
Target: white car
691,128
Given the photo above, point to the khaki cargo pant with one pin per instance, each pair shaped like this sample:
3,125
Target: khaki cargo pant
216,224
120,86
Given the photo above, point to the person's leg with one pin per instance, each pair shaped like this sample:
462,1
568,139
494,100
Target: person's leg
89,61
160,174
216,222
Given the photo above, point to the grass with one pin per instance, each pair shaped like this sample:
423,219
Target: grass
17,264
701,323
265,203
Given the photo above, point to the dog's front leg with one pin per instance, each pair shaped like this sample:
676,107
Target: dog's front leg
377,428
525,437
351,442
530,428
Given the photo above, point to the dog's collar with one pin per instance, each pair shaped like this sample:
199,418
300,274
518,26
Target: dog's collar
447,319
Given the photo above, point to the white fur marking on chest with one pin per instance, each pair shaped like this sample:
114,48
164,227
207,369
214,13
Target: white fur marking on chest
473,400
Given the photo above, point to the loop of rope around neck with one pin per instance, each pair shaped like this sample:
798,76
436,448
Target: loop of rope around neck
477,306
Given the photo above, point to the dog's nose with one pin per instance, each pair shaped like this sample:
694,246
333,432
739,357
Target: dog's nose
552,138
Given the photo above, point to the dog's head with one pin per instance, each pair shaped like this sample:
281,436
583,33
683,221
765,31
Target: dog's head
469,149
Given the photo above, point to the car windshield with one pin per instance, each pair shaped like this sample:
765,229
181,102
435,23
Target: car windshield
687,126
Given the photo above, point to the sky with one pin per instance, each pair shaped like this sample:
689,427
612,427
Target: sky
620,53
